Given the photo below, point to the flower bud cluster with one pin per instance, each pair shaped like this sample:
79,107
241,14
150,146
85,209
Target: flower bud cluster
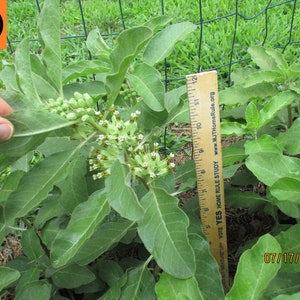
122,140
76,108
128,94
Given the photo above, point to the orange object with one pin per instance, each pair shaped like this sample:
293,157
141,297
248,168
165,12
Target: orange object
3,24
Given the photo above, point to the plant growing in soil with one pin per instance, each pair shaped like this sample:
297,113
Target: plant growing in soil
94,202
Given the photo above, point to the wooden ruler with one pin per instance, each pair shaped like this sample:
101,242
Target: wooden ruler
205,121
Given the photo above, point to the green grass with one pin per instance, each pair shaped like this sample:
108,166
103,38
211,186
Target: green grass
216,40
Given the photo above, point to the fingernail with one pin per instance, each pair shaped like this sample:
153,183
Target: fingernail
6,131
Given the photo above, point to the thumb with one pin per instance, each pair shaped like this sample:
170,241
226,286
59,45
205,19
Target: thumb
6,129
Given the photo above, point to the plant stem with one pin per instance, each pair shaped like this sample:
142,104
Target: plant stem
290,120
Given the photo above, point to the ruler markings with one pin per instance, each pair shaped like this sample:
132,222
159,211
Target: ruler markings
205,120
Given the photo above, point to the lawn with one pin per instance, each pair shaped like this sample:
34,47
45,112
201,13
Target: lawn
227,29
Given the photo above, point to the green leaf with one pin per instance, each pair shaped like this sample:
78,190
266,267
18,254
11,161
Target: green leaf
40,289
36,184
95,88
233,153
169,287
31,245
82,68
238,94
49,36
8,276
121,195
253,274
110,272
85,219
263,59
128,44
268,167
105,237
162,44
164,233
263,76
72,276
290,244
24,72
9,185
97,46
288,297
233,129
252,116
73,188
157,22
229,171
286,189
140,284
172,98
278,57
27,277
207,270
147,82
287,139
275,105
33,122
265,143
282,284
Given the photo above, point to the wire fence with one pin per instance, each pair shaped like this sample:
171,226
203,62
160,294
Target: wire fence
225,30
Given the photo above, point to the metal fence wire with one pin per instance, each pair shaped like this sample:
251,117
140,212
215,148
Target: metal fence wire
225,29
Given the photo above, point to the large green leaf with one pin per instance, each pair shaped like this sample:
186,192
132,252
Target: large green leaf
264,143
72,276
253,274
31,245
73,188
252,116
169,287
36,184
139,285
32,122
85,218
263,59
129,43
238,94
162,44
147,82
7,276
164,233
290,245
263,76
39,289
287,139
207,270
275,105
268,167
82,68
106,236
49,36
286,189
24,72
97,46
121,195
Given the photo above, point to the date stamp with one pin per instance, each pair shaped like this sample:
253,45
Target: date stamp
285,257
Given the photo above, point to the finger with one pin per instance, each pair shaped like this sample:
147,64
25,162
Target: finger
6,129
5,109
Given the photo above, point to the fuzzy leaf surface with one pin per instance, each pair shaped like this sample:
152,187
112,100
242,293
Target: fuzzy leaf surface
85,218
128,44
290,244
263,167
121,195
8,276
286,189
49,36
253,274
39,289
147,82
162,44
163,230
33,122
169,287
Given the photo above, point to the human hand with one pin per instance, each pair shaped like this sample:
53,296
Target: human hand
6,127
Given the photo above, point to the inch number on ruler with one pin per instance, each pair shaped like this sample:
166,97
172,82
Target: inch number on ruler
205,120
